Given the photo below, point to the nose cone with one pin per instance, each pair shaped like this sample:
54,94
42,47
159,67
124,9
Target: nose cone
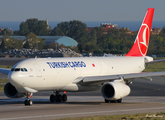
15,79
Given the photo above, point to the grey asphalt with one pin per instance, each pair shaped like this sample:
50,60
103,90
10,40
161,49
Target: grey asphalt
78,106
10,61
145,97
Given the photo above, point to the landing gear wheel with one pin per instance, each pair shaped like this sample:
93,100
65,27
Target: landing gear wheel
58,98
113,101
116,101
106,101
119,100
52,98
64,97
28,102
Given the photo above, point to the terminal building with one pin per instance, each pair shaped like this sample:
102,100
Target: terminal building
66,41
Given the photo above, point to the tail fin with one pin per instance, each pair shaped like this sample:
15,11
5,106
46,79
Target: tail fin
141,43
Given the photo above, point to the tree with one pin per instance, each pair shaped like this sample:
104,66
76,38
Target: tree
2,46
6,31
74,29
26,45
16,44
24,30
7,41
41,43
38,27
33,40
93,37
99,31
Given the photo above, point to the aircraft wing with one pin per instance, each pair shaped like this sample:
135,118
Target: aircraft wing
4,70
100,79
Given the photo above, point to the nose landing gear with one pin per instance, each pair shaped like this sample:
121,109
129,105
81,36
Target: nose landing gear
28,102
58,97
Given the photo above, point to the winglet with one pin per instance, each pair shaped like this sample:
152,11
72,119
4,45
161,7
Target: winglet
141,43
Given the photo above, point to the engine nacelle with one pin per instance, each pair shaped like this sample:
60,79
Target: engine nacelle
115,90
11,92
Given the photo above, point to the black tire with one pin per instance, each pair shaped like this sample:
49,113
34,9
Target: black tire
52,98
106,101
64,97
59,98
26,103
113,101
119,100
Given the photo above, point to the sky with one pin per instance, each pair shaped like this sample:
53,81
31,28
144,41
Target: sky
83,10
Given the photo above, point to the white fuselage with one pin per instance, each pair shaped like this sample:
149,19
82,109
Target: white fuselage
59,73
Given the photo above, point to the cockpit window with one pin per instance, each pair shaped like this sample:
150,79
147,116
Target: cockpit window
19,69
24,69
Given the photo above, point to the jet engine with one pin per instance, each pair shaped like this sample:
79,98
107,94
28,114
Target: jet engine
115,90
11,92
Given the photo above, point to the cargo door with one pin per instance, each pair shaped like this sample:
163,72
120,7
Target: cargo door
38,70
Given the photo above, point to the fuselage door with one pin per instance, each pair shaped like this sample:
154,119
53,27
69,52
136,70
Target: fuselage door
38,70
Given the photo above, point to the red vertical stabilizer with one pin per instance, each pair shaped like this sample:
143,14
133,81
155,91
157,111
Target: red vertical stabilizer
141,43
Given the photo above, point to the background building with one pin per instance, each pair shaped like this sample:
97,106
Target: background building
66,41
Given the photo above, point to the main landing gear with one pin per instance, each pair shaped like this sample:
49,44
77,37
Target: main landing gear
58,97
28,102
113,101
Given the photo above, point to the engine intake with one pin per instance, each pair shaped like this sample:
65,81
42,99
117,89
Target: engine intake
115,90
11,92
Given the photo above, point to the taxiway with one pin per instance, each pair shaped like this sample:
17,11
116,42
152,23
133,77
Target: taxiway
78,106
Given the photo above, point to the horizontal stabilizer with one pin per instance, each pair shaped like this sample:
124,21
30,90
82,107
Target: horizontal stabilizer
160,60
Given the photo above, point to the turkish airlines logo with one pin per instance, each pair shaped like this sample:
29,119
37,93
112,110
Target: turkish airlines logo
143,38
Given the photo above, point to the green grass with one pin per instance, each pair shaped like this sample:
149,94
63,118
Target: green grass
2,83
1,87
151,116
4,80
3,66
154,67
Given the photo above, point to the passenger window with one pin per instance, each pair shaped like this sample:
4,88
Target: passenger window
22,69
17,69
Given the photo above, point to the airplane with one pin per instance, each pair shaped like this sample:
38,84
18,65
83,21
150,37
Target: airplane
111,75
